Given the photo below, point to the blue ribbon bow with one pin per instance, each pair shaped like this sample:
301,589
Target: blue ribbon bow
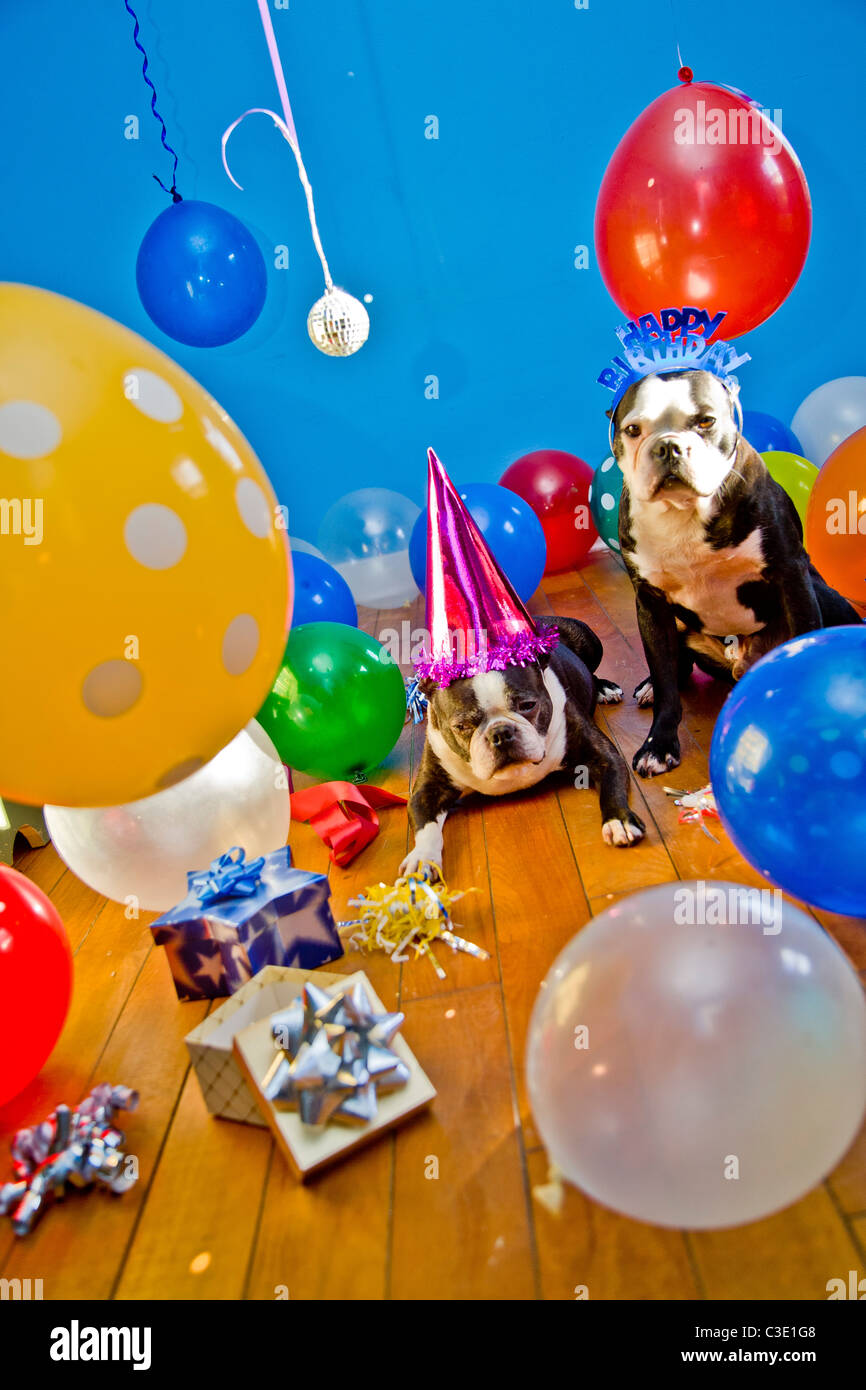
416,702
229,876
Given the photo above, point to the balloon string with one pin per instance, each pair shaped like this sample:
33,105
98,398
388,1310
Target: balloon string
680,64
286,126
175,196
311,211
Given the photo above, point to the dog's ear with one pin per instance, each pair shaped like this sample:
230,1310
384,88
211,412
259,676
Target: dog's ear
733,389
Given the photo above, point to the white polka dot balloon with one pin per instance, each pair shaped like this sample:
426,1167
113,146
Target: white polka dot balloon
146,580
604,493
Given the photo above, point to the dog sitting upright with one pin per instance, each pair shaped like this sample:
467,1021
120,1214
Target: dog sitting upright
712,544
510,699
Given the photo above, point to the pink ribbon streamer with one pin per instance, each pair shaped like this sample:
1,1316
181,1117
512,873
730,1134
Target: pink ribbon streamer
285,124
271,40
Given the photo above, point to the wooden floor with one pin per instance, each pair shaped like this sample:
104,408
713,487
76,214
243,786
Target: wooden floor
216,1214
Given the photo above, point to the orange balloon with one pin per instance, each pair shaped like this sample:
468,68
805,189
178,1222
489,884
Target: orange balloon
836,519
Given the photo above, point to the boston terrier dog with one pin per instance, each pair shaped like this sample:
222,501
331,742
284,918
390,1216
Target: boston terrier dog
502,731
713,546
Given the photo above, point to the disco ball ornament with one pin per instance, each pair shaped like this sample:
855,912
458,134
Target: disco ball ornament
338,323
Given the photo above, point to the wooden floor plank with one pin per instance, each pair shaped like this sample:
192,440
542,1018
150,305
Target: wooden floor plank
789,1256
848,1179
461,1222
195,1235
588,1252
327,1239
539,905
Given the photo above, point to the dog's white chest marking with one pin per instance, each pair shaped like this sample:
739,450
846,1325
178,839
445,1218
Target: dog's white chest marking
487,691
673,555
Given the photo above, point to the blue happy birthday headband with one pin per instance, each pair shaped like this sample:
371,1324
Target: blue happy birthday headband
675,341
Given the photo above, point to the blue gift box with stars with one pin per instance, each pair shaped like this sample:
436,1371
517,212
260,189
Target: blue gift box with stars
238,917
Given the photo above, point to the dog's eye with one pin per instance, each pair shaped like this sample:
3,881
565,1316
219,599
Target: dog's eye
526,706
706,422
632,431
464,727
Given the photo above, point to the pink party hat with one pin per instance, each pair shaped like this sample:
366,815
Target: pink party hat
475,620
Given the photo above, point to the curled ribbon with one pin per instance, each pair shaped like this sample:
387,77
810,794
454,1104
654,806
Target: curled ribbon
409,915
285,124
416,701
72,1148
229,876
343,816
695,807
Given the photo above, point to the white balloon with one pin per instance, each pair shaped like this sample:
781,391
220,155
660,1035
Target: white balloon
365,536
144,849
722,1070
382,581
830,414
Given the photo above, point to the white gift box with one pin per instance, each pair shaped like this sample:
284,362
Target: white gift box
309,1148
222,1083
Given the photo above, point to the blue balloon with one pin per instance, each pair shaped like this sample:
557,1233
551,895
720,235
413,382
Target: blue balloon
200,274
767,434
509,526
321,593
788,767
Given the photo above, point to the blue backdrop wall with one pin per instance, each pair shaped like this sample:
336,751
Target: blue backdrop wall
466,242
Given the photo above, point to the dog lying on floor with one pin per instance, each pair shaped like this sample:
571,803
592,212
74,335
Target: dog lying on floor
712,544
503,731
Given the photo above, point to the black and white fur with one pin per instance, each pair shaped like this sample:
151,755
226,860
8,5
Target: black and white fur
506,730
713,547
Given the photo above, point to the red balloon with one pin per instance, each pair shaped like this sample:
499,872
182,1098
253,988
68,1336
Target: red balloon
556,486
703,203
35,980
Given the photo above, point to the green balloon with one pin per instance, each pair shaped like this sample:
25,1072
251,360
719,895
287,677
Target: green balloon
604,494
795,474
338,703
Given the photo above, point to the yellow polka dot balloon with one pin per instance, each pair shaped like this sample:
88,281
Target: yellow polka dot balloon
145,585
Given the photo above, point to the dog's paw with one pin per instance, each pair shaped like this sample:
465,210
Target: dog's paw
739,668
625,831
655,755
607,692
415,858
643,693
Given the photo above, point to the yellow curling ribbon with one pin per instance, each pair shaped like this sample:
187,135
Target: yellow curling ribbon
408,916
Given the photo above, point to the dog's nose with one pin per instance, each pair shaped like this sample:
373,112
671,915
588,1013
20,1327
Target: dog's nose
666,452
499,734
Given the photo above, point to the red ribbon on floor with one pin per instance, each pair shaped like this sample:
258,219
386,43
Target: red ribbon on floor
343,815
